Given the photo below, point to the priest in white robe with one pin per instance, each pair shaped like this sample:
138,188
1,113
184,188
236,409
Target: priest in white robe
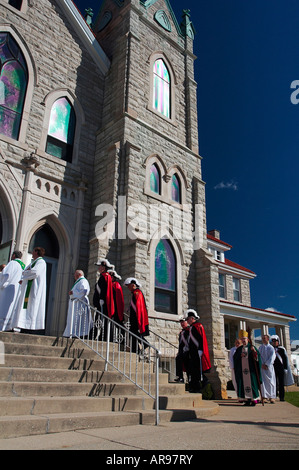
10,288
30,311
79,319
268,385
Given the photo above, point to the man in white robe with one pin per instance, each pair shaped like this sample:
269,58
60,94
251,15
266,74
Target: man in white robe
267,353
238,343
79,319
30,310
9,289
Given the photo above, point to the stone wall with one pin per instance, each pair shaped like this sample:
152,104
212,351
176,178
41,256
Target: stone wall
58,63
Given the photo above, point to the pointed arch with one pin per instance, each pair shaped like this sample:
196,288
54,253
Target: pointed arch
20,5
177,184
61,268
8,212
162,86
75,122
27,79
165,253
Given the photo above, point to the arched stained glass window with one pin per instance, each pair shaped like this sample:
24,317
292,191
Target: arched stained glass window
61,130
13,85
175,189
155,179
165,277
161,88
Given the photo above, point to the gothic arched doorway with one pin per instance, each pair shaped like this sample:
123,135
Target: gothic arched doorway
46,238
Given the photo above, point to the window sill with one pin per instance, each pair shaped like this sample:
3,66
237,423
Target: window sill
163,316
47,156
16,143
22,14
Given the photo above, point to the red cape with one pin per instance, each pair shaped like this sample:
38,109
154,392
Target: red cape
205,358
119,300
109,295
140,309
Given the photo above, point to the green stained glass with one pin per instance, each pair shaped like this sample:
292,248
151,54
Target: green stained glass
161,88
13,85
155,179
175,189
61,125
165,266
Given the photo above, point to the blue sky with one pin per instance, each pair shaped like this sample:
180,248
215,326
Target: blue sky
247,58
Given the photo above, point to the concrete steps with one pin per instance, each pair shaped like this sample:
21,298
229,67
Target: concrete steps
52,385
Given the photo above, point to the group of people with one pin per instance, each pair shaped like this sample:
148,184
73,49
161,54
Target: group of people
264,372
108,299
23,293
193,355
259,372
23,298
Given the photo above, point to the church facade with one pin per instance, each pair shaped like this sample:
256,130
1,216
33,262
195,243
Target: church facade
99,158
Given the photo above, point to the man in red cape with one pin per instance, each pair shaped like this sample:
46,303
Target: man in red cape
103,295
198,352
138,312
118,296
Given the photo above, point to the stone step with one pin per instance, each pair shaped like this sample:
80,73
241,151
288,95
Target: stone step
16,426
12,406
50,384
23,389
70,363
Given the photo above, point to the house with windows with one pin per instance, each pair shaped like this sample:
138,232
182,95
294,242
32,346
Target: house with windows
99,158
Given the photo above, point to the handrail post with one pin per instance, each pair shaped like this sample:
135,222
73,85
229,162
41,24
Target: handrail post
72,319
107,344
157,388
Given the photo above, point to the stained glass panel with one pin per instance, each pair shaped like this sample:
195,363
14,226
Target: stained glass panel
175,189
165,278
165,266
61,130
161,88
155,179
16,3
61,125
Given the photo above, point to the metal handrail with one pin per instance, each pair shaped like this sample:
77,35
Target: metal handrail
134,357
167,349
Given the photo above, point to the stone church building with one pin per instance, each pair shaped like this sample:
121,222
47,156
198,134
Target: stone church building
99,158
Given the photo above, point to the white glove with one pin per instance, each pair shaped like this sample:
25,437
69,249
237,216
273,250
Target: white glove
199,353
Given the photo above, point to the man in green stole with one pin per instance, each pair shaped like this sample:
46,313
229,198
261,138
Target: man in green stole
247,365
9,289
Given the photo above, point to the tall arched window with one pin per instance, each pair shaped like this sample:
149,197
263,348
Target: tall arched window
161,88
16,3
165,278
176,189
61,130
155,179
13,85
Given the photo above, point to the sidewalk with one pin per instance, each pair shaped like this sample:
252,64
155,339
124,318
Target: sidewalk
235,427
